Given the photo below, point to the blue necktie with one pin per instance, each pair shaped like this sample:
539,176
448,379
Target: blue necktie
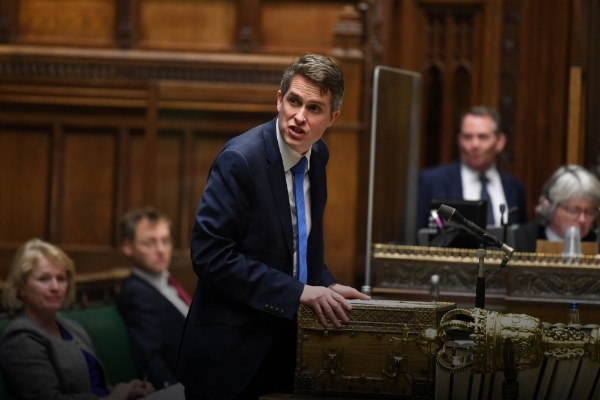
486,196
299,170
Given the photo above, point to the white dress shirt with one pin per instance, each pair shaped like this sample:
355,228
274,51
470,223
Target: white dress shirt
290,158
159,281
471,185
551,236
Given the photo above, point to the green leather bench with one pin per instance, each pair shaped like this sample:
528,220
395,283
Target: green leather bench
107,329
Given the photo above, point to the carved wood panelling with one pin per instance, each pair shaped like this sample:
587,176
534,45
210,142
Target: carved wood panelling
535,284
455,45
125,24
29,69
265,26
591,63
88,173
298,26
509,78
565,284
90,176
542,94
187,25
67,22
451,75
8,20
24,164
125,128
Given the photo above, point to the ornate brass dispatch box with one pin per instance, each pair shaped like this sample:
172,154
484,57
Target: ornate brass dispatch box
380,353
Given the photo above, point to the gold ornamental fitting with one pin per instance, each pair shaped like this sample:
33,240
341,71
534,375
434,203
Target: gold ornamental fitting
488,331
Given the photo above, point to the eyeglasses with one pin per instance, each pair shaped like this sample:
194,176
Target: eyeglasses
576,211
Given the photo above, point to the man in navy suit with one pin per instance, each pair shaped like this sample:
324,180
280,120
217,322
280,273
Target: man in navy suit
239,339
480,141
153,304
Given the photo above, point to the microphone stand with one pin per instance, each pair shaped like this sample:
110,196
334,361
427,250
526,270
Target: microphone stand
480,288
454,217
503,222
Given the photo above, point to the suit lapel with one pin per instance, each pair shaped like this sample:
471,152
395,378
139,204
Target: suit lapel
508,192
277,181
318,186
455,181
318,197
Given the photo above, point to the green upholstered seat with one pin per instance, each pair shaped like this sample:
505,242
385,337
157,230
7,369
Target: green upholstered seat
109,334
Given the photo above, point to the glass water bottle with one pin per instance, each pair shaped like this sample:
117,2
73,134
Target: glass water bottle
573,313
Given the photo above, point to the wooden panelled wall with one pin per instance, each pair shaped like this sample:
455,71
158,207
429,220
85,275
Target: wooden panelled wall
108,105
514,55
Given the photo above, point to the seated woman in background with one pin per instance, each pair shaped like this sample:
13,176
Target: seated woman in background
44,356
570,198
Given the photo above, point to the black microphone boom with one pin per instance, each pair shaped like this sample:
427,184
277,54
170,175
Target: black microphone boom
453,217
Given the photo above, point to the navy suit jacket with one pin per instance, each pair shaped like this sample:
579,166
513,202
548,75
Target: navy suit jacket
444,182
242,251
155,328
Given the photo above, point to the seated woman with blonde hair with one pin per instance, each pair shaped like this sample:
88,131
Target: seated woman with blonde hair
571,197
42,355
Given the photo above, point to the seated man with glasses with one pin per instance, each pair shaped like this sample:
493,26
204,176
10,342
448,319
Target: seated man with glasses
570,198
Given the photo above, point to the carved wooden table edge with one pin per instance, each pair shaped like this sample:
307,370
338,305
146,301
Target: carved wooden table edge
468,256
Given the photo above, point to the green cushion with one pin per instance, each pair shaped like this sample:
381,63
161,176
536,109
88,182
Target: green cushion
109,335
111,342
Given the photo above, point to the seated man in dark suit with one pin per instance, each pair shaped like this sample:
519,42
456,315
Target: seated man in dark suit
475,176
153,305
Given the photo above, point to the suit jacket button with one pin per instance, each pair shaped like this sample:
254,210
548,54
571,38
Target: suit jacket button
281,312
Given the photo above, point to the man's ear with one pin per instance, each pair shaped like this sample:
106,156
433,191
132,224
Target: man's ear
279,100
334,116
127,247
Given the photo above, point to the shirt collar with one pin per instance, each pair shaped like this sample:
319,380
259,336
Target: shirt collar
289,156
157,280
472,175
552,236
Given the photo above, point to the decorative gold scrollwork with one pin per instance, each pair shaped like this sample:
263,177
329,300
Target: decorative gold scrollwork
403,341
397,363
489,332
333,360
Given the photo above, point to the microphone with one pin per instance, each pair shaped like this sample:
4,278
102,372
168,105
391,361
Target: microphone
453,217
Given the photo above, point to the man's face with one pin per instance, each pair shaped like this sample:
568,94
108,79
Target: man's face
151,248
304,114
478,144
